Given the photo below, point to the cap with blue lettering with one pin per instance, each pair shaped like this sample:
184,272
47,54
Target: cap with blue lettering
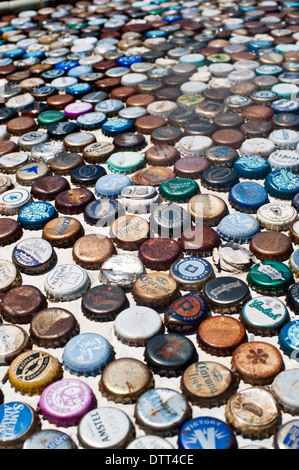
289,339
87,354
91,121
117,126
67,65
252,167
35,215
286,436
206,432
254,46
110,186
238,227
17,421
49,439
78,89
248,196
282,184
52,74
79,70
285,106
192,273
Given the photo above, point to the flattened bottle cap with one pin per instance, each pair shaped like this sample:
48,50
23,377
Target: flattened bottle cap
226,294
35,215
159,253
20,304
121,270
91,251
33,255
151,416
178,189
193,433
155,289
150,442
288,339
48,187
220,335
282,184
56,406
238,227
185,313
124,380
257,146
125,162
253,413
110,186
49,439
219,178
285,138
257,362
32,371
271,245
73,201
53,327
252,167
63,231
284,389
278,216
13,342
98,152
137,325
98,352
191,273
264,315
66,282
285,437
199,240
21,423
10,231
270,277
117,426
208,208
248,196
103,303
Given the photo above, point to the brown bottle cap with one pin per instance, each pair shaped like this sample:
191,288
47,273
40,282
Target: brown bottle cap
90,251
79,140
38,69
13,342
63,231
98,152
271,245
209,109
18,76
159,253
7,146
65,163
257,362
228,121
228,137
59,101
216,94
152,176
257,128
53,327
208,384
220,335
104,65
208,208
47,188
243,56
107,84
10,231
7,69
122,93
243,89
257,113
30,83
142,100
162,155
73,201
156,289
190,167
166,135
199,241
5,183
129,231
125,379
21,125
20,304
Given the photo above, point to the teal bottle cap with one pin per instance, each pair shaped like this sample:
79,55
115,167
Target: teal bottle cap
194,59
289,339
282,184
178,189
46,118
285,90
34,216
270,277
125,162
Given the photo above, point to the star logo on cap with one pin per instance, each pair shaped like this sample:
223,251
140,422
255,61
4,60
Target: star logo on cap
172,347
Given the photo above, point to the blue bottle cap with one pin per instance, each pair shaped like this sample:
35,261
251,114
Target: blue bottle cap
238,227
87,354
289,339
78,71
117,126
172,18
17,422
282,184
91,121
252,167
37,54
259,44
101,212
78,89
155,34
127,61
285,106
16,53
67,65
192,273
5,61
206,432
109,107
110,186
268,70
248,196
52,74
35,215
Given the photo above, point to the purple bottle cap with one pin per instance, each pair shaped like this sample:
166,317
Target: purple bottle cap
74,110
66,401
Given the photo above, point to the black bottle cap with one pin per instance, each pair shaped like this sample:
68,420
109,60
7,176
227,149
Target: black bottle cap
87,175
103,303
219,178
60,130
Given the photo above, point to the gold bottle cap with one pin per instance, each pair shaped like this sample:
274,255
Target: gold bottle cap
63,231
155,289
91,251
98,152
129,231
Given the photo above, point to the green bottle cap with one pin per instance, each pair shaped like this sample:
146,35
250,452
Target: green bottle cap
194,59
270,277
125,162
285,90
190,101
218,58
178,189
47,118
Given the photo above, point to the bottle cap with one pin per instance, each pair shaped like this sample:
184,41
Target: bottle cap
137,325
98,352
49,439
169,355
121,270
10,231
18,420
27,174
192,434
178,189
284,159
191,273
264,315
257,112
53,327
285,120
73,201
285,106
271,245
238,227
248,196
32,371
116,429
35,215
56,407
159,253
46,118
90,251
253,413
66,282
150,442
103,303
101,212
13,341
257,129
125,162
33,255
257,146
75,110
278,216
190,167
288,339
292,299
185,313
199,240
48,187
151,416
194,146
124,380
282,184
87,175
221,155
152,176
98,152
155,289
228,120
220,335
169,220
78,141
252,167
270,277
226,294
21,125
20,304
284,389
63,231
59,130
284,437
110,186
129,231
7,146
285,138
162,155
59,102
232,138
130,141
219,178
